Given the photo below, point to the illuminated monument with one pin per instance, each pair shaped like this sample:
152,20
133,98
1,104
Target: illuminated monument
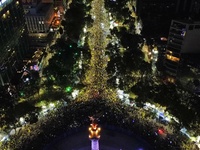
94,135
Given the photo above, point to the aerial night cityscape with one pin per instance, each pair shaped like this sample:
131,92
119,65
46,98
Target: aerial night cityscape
99,75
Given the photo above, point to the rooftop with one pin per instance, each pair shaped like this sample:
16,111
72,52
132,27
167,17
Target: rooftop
41,10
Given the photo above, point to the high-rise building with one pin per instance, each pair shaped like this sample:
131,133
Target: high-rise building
188,8
157,14
13,38
183,39
39,15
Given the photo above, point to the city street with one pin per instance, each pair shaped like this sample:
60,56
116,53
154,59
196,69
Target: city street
110,73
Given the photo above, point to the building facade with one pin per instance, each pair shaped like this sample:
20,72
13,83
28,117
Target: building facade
183,39
157,14
38,15
188,8
13,38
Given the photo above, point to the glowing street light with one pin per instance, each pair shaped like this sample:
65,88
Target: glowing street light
68,89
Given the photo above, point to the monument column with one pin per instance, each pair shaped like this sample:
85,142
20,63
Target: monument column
94,135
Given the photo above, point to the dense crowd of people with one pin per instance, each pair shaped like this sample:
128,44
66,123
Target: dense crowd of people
68,119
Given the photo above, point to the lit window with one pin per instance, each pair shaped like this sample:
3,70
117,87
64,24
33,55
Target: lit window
39,22
172,58
183,32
